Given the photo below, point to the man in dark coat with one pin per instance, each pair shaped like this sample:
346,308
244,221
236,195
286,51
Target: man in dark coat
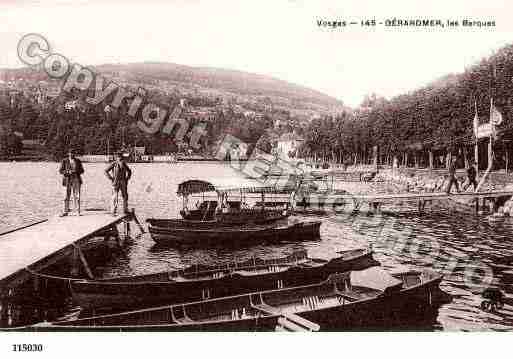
119,174
471,176
452,177
71,169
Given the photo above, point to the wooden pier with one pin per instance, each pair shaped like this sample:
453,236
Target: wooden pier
376,201
43,243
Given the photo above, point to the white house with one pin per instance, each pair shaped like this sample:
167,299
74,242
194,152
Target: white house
288,143
71,105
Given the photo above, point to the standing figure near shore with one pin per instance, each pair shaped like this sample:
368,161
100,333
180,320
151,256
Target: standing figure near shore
452,177
471,176
71,169
119,174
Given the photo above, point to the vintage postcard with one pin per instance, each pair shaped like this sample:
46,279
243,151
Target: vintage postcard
254,166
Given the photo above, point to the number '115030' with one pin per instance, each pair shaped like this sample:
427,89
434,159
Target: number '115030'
27,347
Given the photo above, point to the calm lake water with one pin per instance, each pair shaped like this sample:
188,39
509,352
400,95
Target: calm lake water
470,251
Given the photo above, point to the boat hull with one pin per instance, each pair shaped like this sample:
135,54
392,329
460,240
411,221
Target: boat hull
117,296
336,307
235,235
402,310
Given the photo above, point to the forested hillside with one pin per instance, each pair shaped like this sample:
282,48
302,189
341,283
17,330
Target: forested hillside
241,104
437,117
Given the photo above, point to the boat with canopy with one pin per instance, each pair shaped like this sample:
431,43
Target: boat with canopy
235,200
233,211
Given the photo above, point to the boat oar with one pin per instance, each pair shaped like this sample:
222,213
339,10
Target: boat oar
136,220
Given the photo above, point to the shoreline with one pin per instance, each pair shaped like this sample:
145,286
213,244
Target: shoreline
178,160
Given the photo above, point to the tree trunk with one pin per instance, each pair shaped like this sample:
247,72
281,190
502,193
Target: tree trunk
431,159
465,157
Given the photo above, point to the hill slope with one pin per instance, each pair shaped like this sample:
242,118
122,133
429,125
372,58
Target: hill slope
225,82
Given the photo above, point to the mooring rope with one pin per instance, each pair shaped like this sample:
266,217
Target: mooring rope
51,276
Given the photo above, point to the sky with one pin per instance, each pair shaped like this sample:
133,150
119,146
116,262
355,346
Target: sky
280,38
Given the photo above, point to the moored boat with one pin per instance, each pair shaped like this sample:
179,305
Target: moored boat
232,211
368,299
240,235
229,201
205,282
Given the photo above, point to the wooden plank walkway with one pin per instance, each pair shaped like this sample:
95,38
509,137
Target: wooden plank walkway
323,202
397,197
400,197
27,246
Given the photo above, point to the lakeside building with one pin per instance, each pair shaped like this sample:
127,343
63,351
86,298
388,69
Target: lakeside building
288,144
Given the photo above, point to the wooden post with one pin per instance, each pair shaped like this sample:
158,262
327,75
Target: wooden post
3,311
78,257
476,156
84,263
489,168
117,237
126,225
36,283
75,269
490,152
422,205
507,158
136,220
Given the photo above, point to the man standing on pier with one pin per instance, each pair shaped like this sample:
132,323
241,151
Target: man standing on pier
452,177
71,169
119,174
471,176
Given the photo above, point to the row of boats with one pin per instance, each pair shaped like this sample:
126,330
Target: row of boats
351,291
348,290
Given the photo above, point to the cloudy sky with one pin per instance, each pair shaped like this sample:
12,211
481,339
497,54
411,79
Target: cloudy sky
274,37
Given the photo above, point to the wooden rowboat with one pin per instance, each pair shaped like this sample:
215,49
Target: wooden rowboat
199,283
243,217
239,235
368,299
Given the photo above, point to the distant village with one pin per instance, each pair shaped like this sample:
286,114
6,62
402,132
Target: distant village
24,101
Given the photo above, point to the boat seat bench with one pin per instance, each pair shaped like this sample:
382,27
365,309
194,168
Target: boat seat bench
290,316
183,320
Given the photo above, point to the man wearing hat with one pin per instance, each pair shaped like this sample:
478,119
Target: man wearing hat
119,174
71,169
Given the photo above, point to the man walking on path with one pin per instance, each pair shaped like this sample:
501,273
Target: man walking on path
71,169
452,177
471,176
119,174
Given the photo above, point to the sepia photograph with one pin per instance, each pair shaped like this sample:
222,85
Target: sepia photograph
240,166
